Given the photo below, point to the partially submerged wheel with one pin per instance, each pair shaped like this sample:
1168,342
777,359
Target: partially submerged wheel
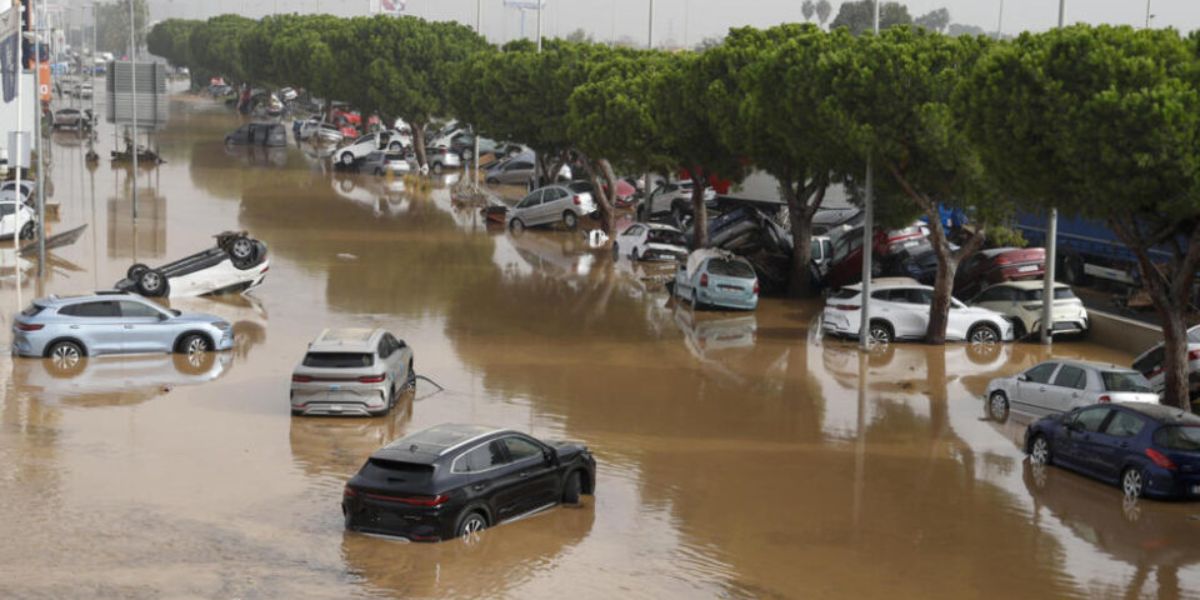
347,159
1132,483
517,226
194,344
152,283
28,231
66,358
136,271
471,525
573,488
437,168
998,407
1039,451
983,334
570,220
880,333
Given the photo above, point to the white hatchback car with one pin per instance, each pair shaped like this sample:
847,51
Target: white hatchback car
1058,386
1150,364
16,218
900,310
1021,301
651,241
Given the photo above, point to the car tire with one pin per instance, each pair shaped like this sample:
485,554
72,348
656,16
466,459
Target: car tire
347,159
136,271
65,358
1133,482
243,252
152,283
573,488
1073,273
28,231
1039,451
983,334
395,147
998,407
570,220
881,332
466,155
192,344
410,380
472,523
517,226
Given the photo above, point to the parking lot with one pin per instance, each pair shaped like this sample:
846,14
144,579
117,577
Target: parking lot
740,454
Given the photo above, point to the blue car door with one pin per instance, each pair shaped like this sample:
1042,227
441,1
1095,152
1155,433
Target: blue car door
1076,444
145,328
1109,448
97,324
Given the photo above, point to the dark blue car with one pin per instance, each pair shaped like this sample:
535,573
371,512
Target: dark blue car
1147,449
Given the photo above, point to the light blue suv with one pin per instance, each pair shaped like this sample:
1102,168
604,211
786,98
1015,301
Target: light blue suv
68,328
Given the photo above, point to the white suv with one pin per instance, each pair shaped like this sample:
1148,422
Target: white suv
363,146
900,310
1150,364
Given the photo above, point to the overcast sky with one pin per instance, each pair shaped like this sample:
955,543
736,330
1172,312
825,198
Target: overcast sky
689,21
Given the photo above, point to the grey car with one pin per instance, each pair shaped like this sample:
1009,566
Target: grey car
380,162
354,372
68,328
518,171
566,202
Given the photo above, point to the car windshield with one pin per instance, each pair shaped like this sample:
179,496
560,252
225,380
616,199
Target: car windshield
666,236
730,268
1178,438
338,360
1125,381
1062,293
1194,335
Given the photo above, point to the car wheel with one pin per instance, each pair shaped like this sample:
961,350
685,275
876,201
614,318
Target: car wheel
394,147
570,220
1039,451
983,334
410,381
573,488
243,252
152,283
27,231
880,333
1073,271
471,525
194,344
998,407
1132,483
466,155
436,168
391,401
347,159
517,226
136,271
66,358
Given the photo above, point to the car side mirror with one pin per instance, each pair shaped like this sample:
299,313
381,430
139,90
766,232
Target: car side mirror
549,456
163,316
1022,377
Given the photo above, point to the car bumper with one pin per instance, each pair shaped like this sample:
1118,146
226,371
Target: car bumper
23,345
718,299
356,402
1168,484
838,324
364,514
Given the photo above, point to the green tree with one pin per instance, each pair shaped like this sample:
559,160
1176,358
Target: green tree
1104,123
808,9
214,46
859,17
892,94
302,49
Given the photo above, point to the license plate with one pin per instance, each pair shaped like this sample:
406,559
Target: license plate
1027,269
334,388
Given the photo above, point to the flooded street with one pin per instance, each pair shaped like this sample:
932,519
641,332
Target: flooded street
739,455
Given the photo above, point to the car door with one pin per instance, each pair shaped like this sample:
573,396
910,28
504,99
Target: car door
537,484
528,206
552,205
630,239
1076,445
145,328
1065,391
516,172
1108,448
1031,387
97,324
958,320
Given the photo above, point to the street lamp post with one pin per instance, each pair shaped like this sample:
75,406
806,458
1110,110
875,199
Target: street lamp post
1051,248
19,156
133,99
478,31
38,146
864,327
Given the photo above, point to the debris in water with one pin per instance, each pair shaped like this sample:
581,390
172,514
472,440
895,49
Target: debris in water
346,256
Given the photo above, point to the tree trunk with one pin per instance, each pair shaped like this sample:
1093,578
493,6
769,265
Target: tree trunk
418,133
800,216
943,285
602,177
699,210
1175,360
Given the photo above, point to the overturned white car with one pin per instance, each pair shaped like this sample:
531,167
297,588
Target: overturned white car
237,263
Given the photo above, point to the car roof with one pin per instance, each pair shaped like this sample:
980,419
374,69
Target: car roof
64,300
1169,415
662,227
426,446
347,339
1088,364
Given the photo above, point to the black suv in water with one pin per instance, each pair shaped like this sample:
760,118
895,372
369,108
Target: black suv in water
456,480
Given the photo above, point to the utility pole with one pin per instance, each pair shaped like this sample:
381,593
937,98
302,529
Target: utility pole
1148,15
646,188
133,98
868,246
37,132
650,36
1051,248
540,4
1000,22
478,31
19,155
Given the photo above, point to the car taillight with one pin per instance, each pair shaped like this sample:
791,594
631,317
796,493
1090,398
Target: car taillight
301,379
577,200
349,492
756,287
1193,355
1104,399
1160,459
704,280
372,379
29,326
438,500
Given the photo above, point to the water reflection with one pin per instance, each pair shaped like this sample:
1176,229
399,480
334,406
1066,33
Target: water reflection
258,156
116,380
245,312
138,239
336,447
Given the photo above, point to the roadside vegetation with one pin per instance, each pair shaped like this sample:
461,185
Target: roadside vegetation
1101,122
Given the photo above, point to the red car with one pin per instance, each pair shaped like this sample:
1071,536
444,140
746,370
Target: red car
998,265
845,265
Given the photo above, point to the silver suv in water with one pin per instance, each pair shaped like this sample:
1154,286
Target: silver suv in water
352,372
68,328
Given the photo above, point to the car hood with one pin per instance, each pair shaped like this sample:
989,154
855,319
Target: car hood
189,317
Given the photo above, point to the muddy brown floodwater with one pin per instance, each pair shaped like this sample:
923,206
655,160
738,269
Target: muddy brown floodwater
740,456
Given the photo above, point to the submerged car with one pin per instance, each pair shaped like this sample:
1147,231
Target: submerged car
1021,302
1151,364
651,241
566,202
352,372
1057,386
380,162
67,118
16,217
68,328
900,311
457,480
1146,449
237,263
712,277
258,134
996,265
